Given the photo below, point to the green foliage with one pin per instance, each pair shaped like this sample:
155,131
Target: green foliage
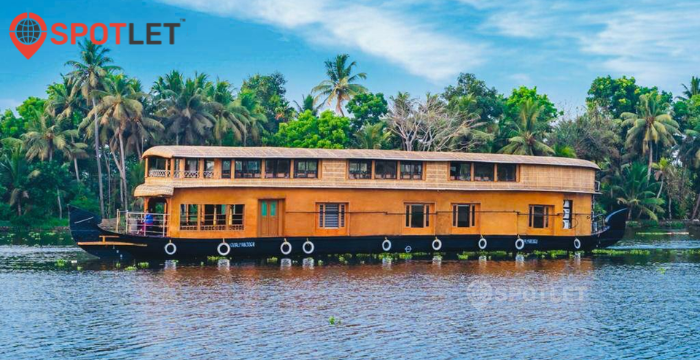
327,131
31,108
619,95
12,126
489,102
341,84
367,108
523,94
269,91
636,191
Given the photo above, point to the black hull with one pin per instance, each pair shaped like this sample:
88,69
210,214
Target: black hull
88,235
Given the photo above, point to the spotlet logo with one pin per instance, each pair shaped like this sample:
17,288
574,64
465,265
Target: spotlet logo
28,32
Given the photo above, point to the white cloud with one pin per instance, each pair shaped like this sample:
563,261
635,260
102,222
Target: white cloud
400,38
656,45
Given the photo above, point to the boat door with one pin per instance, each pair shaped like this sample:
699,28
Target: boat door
269,218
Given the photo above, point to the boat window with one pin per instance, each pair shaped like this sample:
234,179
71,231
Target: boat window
461,171
384,169
483,171
539,216
236,219
411,170
360,169
247,169
331,216
463,215
567,215
176,166
192,168
209,168
226,169
507,172
277,168
306,169
214,217
417,215
188,216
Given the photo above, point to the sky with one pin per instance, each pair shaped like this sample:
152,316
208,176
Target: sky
417,46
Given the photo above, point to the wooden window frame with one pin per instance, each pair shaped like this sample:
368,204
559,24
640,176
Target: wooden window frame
230,218
305,173
486,165
322,215
412,174
515,172
546,213
245,171
459,164
472,215
274,174
187,225
364,176
396,170
409,215
231,164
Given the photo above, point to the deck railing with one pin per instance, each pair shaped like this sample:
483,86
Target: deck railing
158,173
140,223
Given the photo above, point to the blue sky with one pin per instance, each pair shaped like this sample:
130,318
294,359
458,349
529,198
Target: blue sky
408,45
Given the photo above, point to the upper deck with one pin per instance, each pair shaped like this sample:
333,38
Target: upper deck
171,167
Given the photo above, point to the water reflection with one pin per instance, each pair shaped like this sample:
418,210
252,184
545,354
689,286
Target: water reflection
443,308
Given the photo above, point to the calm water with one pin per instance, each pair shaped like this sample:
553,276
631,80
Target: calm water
623,306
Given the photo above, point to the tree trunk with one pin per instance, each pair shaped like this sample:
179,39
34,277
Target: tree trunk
123,173
19,207
60,207
97,159
77,172
661,187
695,208
109,182
670,214
651,160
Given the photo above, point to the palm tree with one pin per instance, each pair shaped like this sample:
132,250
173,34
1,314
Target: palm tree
663,169
308,102
651,125
692,90
45,136
372,136
255,116
16,172
73,151
637,192
341,84
88,72
119,108
64,99
526,139
185,107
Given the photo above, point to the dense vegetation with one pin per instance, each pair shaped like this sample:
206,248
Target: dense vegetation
81,143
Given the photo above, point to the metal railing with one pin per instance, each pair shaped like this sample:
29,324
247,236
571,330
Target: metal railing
140,223
158,173
597,223
190,174
208,174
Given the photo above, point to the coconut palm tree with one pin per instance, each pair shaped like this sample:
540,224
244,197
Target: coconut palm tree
341,84
691,90
185,108
64,99
119,108
663,169
650,126
308,102
46,135
73,151
637,192
372,136
88,72
16,172
255,116
526,138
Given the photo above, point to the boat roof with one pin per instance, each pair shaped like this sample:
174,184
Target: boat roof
223,152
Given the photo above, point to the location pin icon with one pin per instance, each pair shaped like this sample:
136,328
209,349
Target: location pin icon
28,32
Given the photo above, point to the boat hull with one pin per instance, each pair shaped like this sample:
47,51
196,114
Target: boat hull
110,245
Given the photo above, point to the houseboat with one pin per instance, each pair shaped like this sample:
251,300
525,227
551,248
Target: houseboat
203,201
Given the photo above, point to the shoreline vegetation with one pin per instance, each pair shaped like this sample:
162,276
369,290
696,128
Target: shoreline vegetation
81,142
